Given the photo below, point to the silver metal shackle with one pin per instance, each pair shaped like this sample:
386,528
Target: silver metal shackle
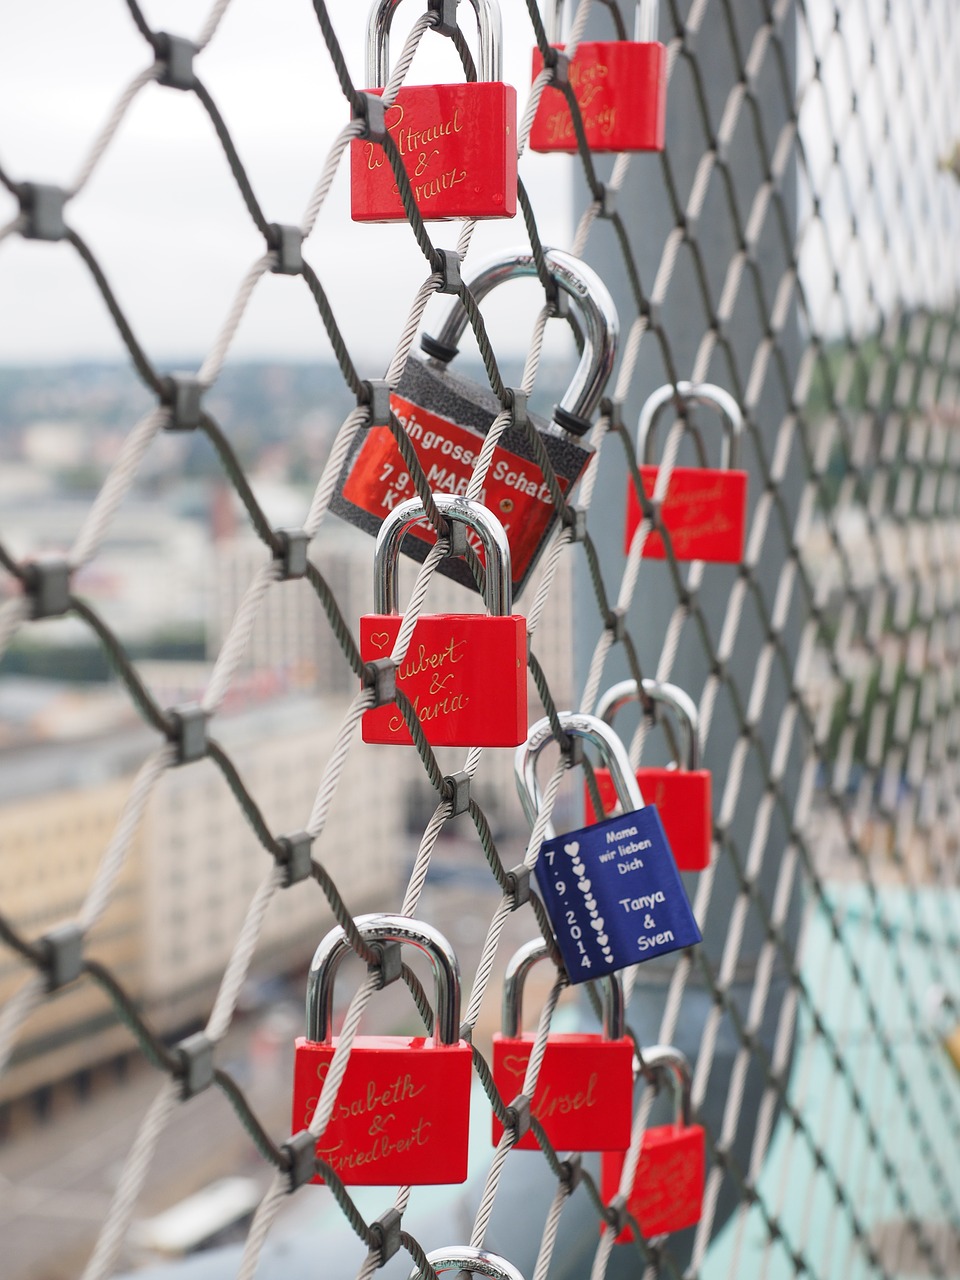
599,322
646,22
520,964
380,20
667,1062
704,393
592,729
673,697
373,929
498,586
465,1258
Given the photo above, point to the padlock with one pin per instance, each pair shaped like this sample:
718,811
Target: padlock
458,142
464,1258
704,510
465,673
612,890
620,87
667,1192
584,1093
402,1112
682,792
447,416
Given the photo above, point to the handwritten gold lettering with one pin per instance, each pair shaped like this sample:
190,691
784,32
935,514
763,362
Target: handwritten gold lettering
382,1147
425,662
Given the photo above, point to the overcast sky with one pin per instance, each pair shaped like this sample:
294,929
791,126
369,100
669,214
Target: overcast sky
165,218
162,211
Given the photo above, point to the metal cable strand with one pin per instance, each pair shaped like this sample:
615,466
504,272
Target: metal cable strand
550,1227
104,1259
117,851
95,155
338,757
15,1013
238,637
212,366
211,24
115,488
218,1024
13,613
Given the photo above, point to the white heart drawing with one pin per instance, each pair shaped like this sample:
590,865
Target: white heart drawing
584,885
591,902
597,923
603,940
572,848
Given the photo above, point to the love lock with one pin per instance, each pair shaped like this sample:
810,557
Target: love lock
612,889
446,418
584,1093
465,673
667,1192
682,792
704,510
620,87
458,142
477,1262
403,1110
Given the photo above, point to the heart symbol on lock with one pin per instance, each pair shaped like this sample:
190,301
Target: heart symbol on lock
380,639
516,1064
597,923
573,848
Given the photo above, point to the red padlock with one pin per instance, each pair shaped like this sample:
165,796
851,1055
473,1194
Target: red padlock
465,673
682,792
584,1093
704,510
403,1109
667,1191
458,142
620,87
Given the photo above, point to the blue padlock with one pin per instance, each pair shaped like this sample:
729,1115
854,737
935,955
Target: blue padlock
612,890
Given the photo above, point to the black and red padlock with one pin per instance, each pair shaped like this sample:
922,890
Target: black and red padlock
667,1191
584,1093
682,792
446,418
402,1112
465,673
458,142
704,509
620,87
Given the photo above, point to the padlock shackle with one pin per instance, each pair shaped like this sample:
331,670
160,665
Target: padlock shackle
380,20
646,22
685,393
599,323
664,1061
498,585
520,964
672,696
463,1257
380,928
577,724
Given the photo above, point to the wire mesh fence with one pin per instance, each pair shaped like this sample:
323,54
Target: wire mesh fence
794,245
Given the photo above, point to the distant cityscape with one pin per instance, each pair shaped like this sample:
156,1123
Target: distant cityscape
168,581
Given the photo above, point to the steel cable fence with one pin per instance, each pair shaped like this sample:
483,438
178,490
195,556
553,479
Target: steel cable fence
826,667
